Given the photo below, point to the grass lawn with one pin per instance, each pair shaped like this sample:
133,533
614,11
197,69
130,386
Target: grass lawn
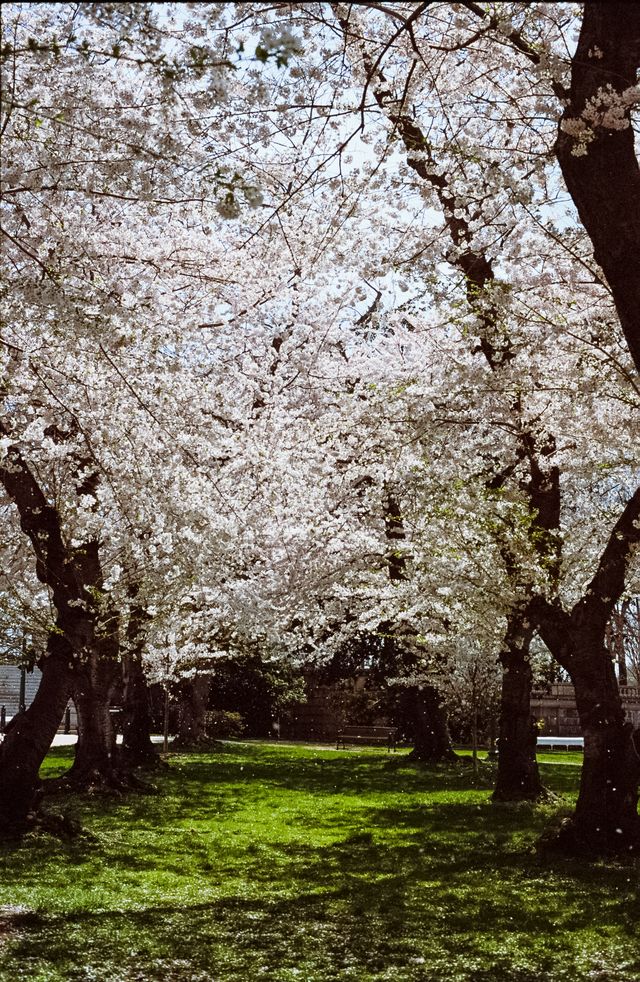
289,863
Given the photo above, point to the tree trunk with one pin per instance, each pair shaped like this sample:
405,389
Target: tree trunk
137,748
604,181
29,737
94,763
606,818
432,742
86,623
605,821
518,777
193,698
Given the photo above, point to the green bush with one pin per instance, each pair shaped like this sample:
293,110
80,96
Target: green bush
220,725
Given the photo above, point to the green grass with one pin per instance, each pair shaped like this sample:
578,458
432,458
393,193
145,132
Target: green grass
288,863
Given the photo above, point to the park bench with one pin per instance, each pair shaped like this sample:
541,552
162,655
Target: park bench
349,735
558,742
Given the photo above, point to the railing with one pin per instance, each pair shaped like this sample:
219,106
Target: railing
631,692
565,693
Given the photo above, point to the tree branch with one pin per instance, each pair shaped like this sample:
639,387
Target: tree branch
607,586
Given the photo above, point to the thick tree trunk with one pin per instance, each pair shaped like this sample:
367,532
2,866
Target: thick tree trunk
606,818
137,748
604,181
518,778
193,698
29,737
86,625
94,763
432,742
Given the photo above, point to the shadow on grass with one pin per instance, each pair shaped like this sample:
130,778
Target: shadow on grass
327,771
358,909
435,889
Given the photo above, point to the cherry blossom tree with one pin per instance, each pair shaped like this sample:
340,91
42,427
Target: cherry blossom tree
91,281
346,365
468,141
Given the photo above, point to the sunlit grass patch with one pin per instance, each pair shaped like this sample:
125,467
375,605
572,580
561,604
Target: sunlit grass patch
285,862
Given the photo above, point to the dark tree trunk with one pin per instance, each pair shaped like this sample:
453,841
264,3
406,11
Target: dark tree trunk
605,186
29,737
604,182
431,741
518,774
95,759
606,817
193,699
518,777
606,820
137,748
85,624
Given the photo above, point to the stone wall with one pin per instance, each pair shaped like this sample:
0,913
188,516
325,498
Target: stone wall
556,708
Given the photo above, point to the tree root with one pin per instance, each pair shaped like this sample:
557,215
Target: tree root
95,781
59,825
145,760
573,841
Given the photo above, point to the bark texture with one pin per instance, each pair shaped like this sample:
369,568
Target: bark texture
606,819
85,630
95,757
604,182
193,700
432,742
518,776
29,737
137,748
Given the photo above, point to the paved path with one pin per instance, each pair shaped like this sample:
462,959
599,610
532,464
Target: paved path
68,739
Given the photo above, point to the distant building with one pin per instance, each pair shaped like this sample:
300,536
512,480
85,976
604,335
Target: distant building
329,707
555,707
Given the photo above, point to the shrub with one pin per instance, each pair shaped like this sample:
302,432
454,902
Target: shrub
220,724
